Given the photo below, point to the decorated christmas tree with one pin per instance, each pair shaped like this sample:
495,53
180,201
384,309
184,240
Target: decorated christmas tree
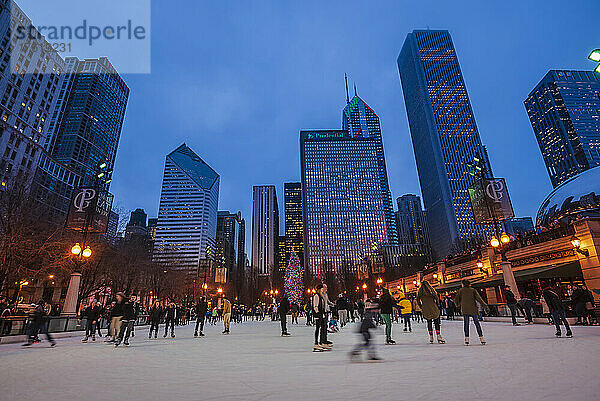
293,280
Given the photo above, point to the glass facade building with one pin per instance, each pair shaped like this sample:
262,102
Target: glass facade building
411,220
292,192
228,235
265,229
344,204
86,128
564,110
187,215
444,136
361,121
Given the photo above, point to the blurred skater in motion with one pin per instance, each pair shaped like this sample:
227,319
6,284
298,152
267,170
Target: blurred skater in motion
367,324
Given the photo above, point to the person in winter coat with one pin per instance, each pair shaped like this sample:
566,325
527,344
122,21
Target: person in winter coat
284,309
405,311
428,299
226,315
386,304
367,324
342,308
557,309
127,321
170,316
38,325
466,299
320,318
417,311
201,309
116,314
545,309
154,315
92,313
513,304
526,304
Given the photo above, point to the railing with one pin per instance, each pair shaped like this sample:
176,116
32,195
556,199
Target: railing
532,238
17,325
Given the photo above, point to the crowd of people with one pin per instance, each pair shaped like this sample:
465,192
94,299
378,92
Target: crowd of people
120,316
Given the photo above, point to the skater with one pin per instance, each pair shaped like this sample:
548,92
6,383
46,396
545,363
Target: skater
342,308
226,315
92,313
127,321
512,303
526,304
154,315
367,324
417,311
294,309
284,308
386,304
320,318
38,325
201,309
557,309
450,307
466,299
170,315
136,309
115,317
545,309
405,311
428,299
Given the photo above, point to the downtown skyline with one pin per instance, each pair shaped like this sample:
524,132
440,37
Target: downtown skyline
310,98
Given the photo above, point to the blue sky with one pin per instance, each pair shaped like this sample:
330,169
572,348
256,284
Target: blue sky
237,81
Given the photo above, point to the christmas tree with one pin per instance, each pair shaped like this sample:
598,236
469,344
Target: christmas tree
293,280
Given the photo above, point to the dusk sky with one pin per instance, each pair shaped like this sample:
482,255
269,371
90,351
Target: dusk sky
237,81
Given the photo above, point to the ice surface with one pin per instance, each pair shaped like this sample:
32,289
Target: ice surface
255,363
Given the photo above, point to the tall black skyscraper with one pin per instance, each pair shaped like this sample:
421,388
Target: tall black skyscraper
444,136
564,109
293,220
411,220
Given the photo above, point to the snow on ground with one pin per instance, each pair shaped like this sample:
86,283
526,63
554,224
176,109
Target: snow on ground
255,363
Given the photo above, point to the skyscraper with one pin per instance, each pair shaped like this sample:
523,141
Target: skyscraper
228,233
361,121
187,216
136,227
265,229
564,110
87,128
444,136
411,220
344,200
293,220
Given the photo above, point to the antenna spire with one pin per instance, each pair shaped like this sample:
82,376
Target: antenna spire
355,93
347,97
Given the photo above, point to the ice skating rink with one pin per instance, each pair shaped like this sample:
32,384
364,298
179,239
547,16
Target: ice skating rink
254,363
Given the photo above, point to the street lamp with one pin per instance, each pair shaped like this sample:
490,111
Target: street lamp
577,244
379,281
87,252
504,238
76,250
494,242
364,286
220,290
276,292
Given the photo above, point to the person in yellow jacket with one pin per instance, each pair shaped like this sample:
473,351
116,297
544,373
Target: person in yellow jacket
405,311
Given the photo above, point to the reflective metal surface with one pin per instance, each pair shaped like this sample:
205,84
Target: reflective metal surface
578,197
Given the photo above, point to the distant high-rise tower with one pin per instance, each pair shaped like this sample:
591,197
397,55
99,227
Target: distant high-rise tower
228,233
361,122
265,229
444,136
136,227
345,203
187,216
564,109
293,220
91,104
411,220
